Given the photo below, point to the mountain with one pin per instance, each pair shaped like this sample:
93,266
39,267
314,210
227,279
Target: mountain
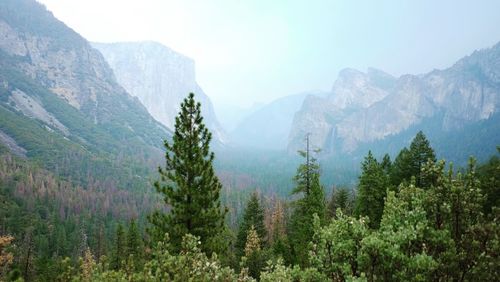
231,115
61,105
160,78
269,126
363,108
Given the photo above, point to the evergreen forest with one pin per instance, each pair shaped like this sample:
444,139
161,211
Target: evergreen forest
410,218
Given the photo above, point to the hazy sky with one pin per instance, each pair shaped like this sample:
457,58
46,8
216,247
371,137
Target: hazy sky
255,51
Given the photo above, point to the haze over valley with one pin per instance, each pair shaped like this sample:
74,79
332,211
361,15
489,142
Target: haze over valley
368,130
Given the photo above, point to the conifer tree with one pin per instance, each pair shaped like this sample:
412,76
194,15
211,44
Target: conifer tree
189,185
341,199
253,216
386,164
401,168
254,259
420,152
312,202
278,237
134,242
119,254
489,174
372,190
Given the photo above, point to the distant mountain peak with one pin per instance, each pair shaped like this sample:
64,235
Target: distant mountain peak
366,107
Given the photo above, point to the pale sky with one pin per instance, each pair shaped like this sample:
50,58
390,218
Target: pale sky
256,51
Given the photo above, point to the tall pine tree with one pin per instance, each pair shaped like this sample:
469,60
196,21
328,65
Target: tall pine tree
119,253
421,152
253,216
372,189
341,199
401,168
312,202
134,240
409,162
189,185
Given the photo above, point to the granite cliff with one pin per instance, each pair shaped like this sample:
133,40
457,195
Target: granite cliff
368,107
160,78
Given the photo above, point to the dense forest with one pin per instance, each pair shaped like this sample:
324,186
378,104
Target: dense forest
414,218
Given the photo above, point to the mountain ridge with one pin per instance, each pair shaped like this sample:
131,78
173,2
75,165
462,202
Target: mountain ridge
60,103
465,92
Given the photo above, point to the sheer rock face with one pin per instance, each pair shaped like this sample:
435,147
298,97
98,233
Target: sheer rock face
76,72
354,89
160,78
52,55
365,107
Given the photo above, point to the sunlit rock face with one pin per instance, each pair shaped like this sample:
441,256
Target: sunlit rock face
366,107
161,78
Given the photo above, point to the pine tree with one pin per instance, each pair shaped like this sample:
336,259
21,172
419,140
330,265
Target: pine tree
312,202
420,152
119,253
386,164
27,259
401,169
253,216
101,242
134,241
489,174
372,190
254,259
278,237
341,199
189,185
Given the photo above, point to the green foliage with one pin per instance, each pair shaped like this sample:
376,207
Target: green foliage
436,225
255,257
134,245
409,163
312,203
420,152
489,175
336,246
342,199
189,185
253,216
372,190
119,253
397,251
401,168
434,233
190,265
277,271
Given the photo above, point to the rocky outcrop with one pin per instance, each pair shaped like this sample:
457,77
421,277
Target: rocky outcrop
12,145
32,108
48,54
354,89
160,78
366,107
